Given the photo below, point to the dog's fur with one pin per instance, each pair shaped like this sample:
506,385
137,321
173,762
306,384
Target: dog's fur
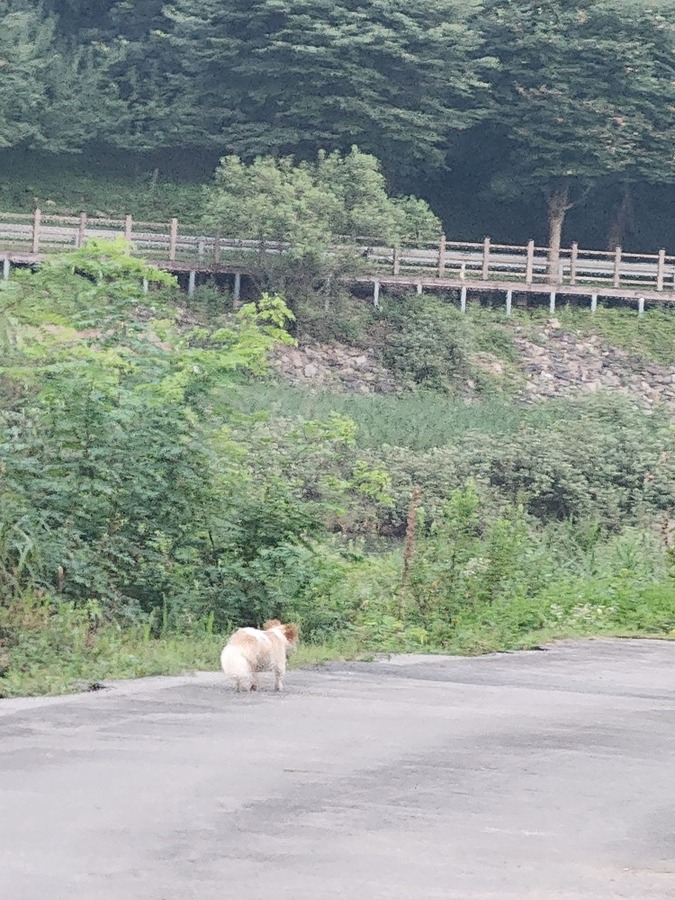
250,651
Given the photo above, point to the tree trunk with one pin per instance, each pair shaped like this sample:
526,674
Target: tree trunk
623,218
558,204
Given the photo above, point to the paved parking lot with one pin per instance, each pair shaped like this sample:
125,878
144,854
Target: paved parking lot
527,775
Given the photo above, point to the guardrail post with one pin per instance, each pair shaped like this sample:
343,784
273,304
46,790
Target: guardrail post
419,287
509,298
37,218
462,299
5,269
486,258
146,285
376,293
216,250
551,303
594,303
81,230
441,257
529,265
128,227
397,260
173,239
573,263
236,294
660,269
641,306
617,267
192,278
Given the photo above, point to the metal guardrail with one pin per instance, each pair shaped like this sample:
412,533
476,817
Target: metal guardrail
186,248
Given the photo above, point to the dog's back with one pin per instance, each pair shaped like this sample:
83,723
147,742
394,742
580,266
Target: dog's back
250,651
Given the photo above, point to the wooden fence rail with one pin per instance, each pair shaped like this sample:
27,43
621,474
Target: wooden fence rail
186,248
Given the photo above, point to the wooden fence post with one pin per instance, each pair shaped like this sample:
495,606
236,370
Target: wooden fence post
37,218
486,258
660,270
173,239
128,227
529,265
82,230
617,267
441,257
397,260
573,263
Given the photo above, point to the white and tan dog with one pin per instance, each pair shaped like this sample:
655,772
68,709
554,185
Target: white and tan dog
250,651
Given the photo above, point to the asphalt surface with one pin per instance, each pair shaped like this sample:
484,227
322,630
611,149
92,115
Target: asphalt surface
528,775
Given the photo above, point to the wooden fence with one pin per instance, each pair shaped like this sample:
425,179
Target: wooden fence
185,248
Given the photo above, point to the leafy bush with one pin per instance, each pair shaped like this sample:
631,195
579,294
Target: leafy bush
119,487
431,344
312,208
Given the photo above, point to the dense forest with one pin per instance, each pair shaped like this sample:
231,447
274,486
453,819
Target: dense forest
508,115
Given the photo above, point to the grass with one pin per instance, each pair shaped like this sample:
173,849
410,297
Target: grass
74,184
419,421
138,657
57,648
62,650
177,655
651,336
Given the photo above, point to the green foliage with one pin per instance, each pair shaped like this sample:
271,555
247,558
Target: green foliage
307,208
414,421
68,185
597,459
430,344
48,648
649,336
583,92
457,100
484,581
155,491
118,486
26,50
270,77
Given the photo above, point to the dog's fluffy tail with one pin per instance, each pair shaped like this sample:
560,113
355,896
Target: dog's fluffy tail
234,663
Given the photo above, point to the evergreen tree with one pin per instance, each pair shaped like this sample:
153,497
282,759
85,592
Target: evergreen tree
585,92
83,105
277,77
26,54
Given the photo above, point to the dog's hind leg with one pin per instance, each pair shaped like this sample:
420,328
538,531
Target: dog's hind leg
278,679
254,681
240,685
